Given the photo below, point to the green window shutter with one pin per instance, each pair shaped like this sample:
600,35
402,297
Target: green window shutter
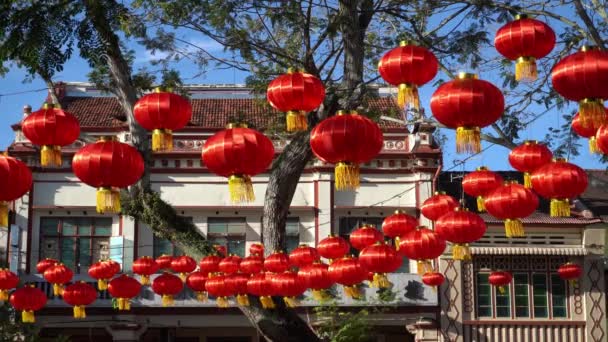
539,290
522,304
558,297
484,296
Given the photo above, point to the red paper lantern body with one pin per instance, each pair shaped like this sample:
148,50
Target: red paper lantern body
216,286
570,271
256,248
460,227
422,245
167,285
433,279
15,181
365,236
221,250
398,224
123,288
349,273
164,261
238,153
346,140
602,139
289,287
103,271
261,285
79,295
108,165
145,267
525,40
43,264
58,275
277,262
582,77
252,264
28,299
316,277
229,264
560,181
8,281
588,132
510,202
162,113
303,255
380,259
333,247
500,279
50,128
528,157
408,67
296,93
467,105
480,183
210,264
438,205
237,286
182,265
196,282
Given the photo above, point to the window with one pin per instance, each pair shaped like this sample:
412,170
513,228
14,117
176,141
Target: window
522,304
539,288
165,247
503,301
76,241
292,233
348,224
484,296
558,297
229,232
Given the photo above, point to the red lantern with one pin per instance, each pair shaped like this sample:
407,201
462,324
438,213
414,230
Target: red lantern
316,277
381,259
528,157
103,271
229,264
510,202
8,281
480,183
467,104
252,264
525,40
260,285
438,205
333,247
408,67
28,299
364,236
167,285
238,153
58,275
256,248
303,255
570,271
346,140
398,224
216,286
422,245
433,279
79,295
108,165
145,267
123,288
582,77
15,181
349,273
296,93
237,286
210,264
288,286
461,227
164,261
162,113
182,265
51,128
221,250
196,282
500,279
586,132
602,139
277,262
559,181
44,264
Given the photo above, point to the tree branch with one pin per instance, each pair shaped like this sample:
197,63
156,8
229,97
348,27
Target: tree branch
582,13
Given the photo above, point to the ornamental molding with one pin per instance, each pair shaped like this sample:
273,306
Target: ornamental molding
549,250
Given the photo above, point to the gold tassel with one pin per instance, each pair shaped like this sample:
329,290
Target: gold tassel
396,243
291,302
79,312
593,149
461,252
76,312
3,214
183,276
222,302
267,302
241,189
50,156
145,280
424,266
27,316
167,300
57,289
481,207
124,304
514,228
346,176
502,289
201,296
527,180
381,281
296,121
525,69
58,160
3,295
108,201
408,95
320,295
560,207
162,140
592,112
468,140
352,291
102,284
242,300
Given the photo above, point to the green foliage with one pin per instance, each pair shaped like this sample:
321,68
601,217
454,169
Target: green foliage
337,324
11,328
